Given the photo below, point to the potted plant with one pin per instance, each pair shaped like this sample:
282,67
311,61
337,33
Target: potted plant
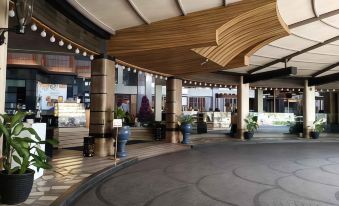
319,126
123,134
185,123
19,153
251,126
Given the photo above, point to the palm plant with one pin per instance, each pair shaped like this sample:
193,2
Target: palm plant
319,125
251,123
185,119
25,151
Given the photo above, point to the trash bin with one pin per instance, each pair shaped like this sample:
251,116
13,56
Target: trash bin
88,150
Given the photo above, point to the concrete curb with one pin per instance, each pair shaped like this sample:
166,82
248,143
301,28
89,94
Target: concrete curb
68,197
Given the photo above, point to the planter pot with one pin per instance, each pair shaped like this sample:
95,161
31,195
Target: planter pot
186,131
248,135
123,136
15,188
315,135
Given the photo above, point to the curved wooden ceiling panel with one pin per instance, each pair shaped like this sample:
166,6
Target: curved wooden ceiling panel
227,36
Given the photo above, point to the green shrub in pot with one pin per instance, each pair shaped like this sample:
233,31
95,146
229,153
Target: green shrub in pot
19,153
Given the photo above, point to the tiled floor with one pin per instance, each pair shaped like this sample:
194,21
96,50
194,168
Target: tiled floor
70,167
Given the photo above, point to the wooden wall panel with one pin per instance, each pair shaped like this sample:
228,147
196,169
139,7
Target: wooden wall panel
227,36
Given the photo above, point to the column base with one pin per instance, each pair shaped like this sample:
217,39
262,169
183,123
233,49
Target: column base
240,134
307,133
104,147
173,136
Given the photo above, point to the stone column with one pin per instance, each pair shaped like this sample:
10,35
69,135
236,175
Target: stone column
259,101
173,109
158,99
4,7
308,108
243,107
102,104
332,104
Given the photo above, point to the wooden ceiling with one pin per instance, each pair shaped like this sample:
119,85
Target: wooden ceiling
226,36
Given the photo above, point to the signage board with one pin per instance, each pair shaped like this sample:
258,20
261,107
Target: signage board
117,123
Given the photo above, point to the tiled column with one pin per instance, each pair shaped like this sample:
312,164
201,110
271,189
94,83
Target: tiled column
243,107
102,104
157,105
308,108
258,102
173,109
4,5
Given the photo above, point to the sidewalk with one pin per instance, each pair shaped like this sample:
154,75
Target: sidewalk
70,167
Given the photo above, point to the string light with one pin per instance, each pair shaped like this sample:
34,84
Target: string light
52,39
34,27
91,57
134,71
84,53
69,46
185,82
43,34
11,13
61,43
77,51
129,69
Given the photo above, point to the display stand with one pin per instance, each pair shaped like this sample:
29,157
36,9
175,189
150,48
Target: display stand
116,124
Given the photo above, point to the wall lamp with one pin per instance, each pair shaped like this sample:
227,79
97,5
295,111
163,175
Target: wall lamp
23,13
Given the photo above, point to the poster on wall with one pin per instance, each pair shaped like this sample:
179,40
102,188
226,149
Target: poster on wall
48,94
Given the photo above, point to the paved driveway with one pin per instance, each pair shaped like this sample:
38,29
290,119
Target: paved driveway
244,174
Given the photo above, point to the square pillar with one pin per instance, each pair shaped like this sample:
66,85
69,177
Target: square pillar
332,104
308,109
259,101
173,109
4,7
158,101
243,107
102,104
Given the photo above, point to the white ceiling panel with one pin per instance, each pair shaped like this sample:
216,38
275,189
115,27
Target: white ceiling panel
293,42
309,57
307,65
241,69
111,12
156,10
305,72
257,60
288,8
327,49
197,5
324,6
316,31
273,52
332,21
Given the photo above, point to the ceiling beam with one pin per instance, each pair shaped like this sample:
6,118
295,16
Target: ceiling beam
289,57
325,69
314,19
139,13
289,71
181,7
324,79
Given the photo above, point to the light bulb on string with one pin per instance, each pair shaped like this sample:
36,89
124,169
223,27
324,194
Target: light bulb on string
129,69
77,51
91,57
84,53
52,39
123,67
34,27
11,13
61,43
43,34
134,71
69,46
161,77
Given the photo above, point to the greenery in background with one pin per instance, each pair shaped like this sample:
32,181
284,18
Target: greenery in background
296,127
120,114
25,151
281,123
251,123
319,125
185,119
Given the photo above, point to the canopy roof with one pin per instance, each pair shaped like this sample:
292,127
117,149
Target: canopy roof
311,22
